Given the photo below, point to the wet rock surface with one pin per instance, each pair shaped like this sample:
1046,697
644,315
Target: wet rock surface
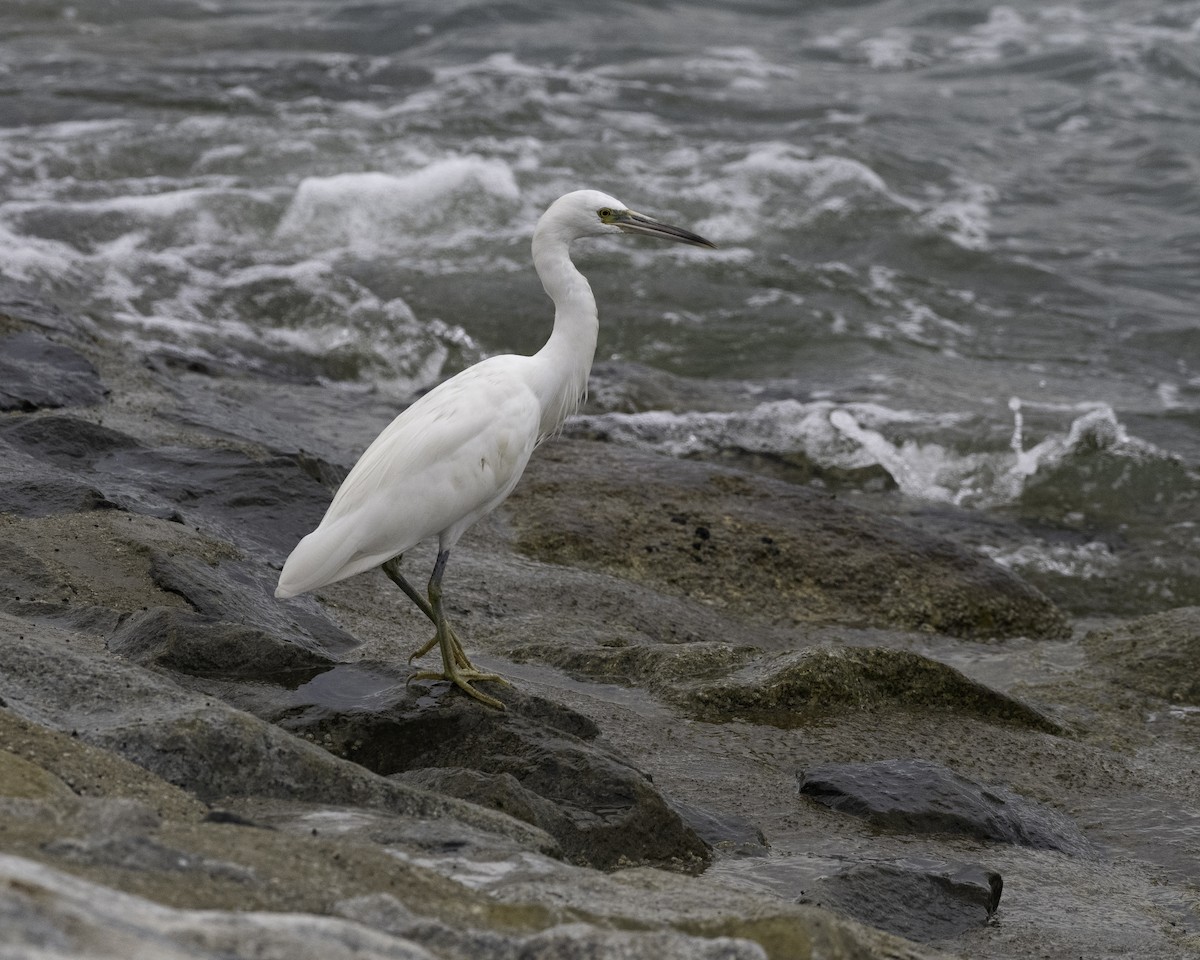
769,549
188,762
532,761
36,373
1157,655
925,900
917,796
798,688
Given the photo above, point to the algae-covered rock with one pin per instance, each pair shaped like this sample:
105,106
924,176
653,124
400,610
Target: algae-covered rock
1157,655
771,550
813,684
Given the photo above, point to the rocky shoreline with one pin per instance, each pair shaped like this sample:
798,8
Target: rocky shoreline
748,719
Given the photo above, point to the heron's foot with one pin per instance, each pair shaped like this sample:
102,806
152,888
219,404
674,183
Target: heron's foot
417,654
462,678
460,656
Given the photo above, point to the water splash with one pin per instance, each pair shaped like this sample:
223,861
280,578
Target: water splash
854,436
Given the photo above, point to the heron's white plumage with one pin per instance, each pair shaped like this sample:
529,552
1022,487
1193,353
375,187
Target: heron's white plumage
449,459
458,452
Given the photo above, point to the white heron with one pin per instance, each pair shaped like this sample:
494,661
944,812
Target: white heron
455,454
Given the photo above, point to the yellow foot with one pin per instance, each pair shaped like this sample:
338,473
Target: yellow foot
417,654
460,657
462,678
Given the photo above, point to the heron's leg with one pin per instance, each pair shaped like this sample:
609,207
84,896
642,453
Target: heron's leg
455,666
392,569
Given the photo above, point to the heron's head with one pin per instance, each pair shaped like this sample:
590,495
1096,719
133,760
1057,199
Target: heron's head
590,213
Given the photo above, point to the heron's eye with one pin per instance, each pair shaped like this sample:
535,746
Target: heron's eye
606,214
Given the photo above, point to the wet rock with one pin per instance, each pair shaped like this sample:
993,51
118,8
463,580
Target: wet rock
264,504
1158,655
576,941
917,898
34,488
24,576
808,685
24,307
195,644
75,918
37,373
771,550
237,628
195,742
530,761
497,791
646,899
581,942
88,921
918,796
725,832
59,769
138,853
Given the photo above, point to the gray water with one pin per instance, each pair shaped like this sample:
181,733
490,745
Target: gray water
958,242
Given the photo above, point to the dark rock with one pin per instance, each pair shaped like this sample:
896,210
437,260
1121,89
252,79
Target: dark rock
221,815
497,791
242,593
263,505
198,743
808,685
23,306
918,796
67,442
36,372
772,550
1158,655
920,899
140,853
726,832
195,644
33,488
235,627
527,761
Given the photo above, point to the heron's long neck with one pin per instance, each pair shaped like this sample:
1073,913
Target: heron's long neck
566,359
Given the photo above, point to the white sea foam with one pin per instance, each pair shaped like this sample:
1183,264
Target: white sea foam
818,177
370,209
1086,561
27,258
858,435
964,216
892,50
753,187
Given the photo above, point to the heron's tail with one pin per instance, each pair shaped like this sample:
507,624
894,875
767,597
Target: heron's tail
324,556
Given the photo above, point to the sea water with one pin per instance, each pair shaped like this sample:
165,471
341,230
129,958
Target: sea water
958,242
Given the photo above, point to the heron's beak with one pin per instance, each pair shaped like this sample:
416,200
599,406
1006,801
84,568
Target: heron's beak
633,222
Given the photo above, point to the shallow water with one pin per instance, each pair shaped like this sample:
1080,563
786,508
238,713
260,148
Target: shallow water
957,242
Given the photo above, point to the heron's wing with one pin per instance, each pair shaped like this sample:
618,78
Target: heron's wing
438,467
471,433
